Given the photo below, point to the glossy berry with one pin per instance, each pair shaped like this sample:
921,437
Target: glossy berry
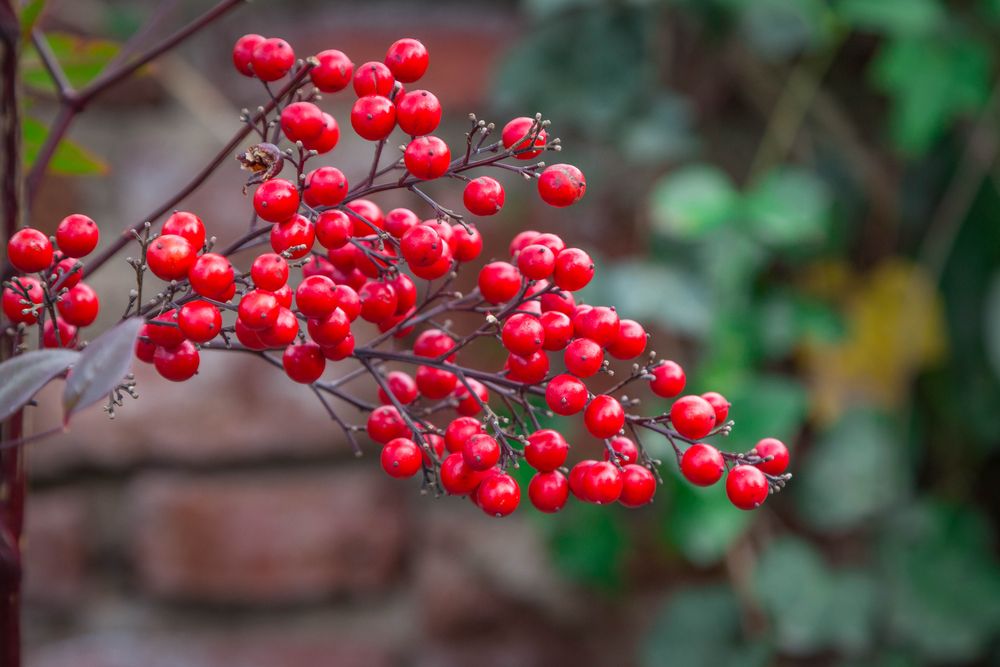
746,487
576,475
546,450
574,269
327,140
602,483
303,363
692,416
407,59
249,338
367,216
401,458
333,229
529,370
498,495
66,336
522,334
439,268
170,257
427,157
719,404
561,185
331,329
421,246
468,243
398,221
144,350
433,343
548,491
583,357
79,306
177,364
29,250
258,309
385,423
401,385
333,72
600,324
13,298
566,395
459,430
521,241
499,282
269,271
373,117
536,262
243,53
283,332
481,452
272,58
296,232
406,292
483,196
341,350
302,121
604,417
551,241
470,404
515,135
418,112
629,342
163,330
559,302
668,379
77,235
325,186
435,383
315,296
187,225
67,272
558,330
457,478
638,486
211,275
199,321
775,448
373,78
702,464
276,200
625,450
378,301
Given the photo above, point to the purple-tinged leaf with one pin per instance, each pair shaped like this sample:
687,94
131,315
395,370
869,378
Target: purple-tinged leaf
22,376
102,365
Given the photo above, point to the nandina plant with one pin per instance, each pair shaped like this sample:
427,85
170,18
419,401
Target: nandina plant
321,258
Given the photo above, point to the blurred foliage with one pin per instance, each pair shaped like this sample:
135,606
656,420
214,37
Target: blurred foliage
806,192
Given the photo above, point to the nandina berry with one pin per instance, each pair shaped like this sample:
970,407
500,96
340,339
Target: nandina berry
199,321
418,112
345,257
258,309
558,302
551,241
67,272
179,363
668,379
435,383
746,487
243,53
13,299
548,491
421,246
439,268
471,404
170,257
296,232
249,338
303,363
481,452
433,343
269,271
79,306
436,443
583,357
378,301
407,59
401,385
272,58
629,342
529,370
276,200
427,157
468,243
546,450
401,458
283,332
341,350
77,235
602,483
314,296
625,450
284,296
145,349
325,186
29,250
600,324
521,241
536,262
561,185
406,292
211,275
692,416
373,78
367,216
188,225
638,486
385,423
719,404
774,448
515,136
459,430
499,282
574,269
702,464
576,475
523,334
566,395
327,140
373,117
301,121
457,478
498,495
442,227
483,196
163,330
333,71
66,335
398,221
330,329
604,416
558,330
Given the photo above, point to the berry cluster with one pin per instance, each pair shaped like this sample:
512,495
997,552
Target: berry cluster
340,271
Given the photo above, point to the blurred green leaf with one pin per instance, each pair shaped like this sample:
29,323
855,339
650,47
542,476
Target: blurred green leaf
895,17
786,320
82,59
700,627
588,544
69,159
662,134
792,584
667,296
780,28
854,611
28,16
693,200
991,323
789,206
701,523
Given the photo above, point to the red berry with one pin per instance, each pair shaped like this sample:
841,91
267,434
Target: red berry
522,240
188,225
341,350
272,58
29,250
604,416
558,330
243,53
558,302
302,121
276,200
79,306
314,296
776,448
600,324
436,443
170,257
367,216
468,243
406,292
77,235
427,157
348,301
576,476
211,275
325,186
331,329
561,185
457,478
163,330
433,343
470,405
522,334
668,379
460,430
435,383
583,357
333,72
746,487
421,246
258,309
378,301
67,272
294,232
249,338
574,269
407,59
333,229
515,135
13,298
602,483
702,464
481,452
529,370
483,196
551,241
401,458
418,112
303,363
145,350
566,395
719,404
199,321
398,221
327,140
692,416
401,385
373,78
283,332
439,268
65,338
546,450
536,262
625,449
548,491
638,486
177,364
499,282
269,271
629,342
373,117
385,423
498,495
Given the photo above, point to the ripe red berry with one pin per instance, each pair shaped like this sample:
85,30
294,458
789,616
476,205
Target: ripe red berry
481,452
211,275
378,301
348,301
145,350
258,309
558,330
427,157
692,416
433,343
435,383
303,363
668,379
77,235
459,430
483,196
373,117
325,186
436,443
421,246
327,140
373,78
385,423
249,338
600,324
401,458
776,448
272,58
333,229
170,257
548,491
604,416
331,329
401,385
583,357
398,221
602,483
529,370
574,269
521,241
315,296
515,135
523,334
276,200
162,330
283,332
546,450
559,302
638,486
719,404
188,225
468,243
406,292
333,72
746,487
79,306
179,363
296,232
561,185
629,342
243,53
269,271
469,404
536,262
566,395
407,59
13,298
702,464
499,282
551,241
67,272
576,475
199,321
625,450
367,216
439,268
302,121
457,478
66,336
341,350
498,495
418,112
29,250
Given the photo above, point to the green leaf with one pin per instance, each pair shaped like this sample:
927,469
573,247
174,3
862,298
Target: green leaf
82,59
70,159
856,471
102,365
22,376
662,134
588,544
792,584
30,12
789,206
854,611
701,523
781,28
693,200
895,17
991,323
